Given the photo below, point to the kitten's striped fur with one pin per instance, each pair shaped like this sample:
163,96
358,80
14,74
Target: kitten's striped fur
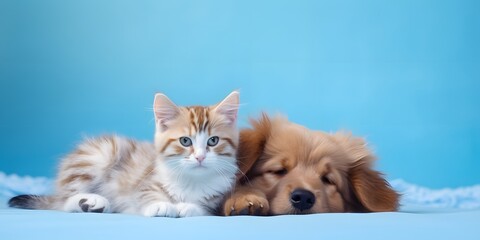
167,178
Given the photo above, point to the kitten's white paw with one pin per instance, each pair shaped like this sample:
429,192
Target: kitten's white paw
161,209
87,202
190,210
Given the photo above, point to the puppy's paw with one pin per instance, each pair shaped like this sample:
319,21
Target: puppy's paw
161,209
87,202
190,210
246,204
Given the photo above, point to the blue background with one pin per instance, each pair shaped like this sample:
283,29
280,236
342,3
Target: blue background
405,74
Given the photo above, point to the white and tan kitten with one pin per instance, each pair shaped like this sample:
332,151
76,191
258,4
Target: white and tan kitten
186,172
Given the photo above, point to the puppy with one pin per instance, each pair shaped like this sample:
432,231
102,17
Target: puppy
289,169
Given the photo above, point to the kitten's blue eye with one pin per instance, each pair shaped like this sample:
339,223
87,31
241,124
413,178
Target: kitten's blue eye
212,141
185,141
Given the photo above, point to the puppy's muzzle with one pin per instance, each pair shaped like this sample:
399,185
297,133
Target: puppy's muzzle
302,199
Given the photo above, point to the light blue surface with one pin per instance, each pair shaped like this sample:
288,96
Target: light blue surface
425,214
403,73
27,224
413,196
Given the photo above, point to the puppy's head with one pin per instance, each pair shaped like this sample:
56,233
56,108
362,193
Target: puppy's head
303,171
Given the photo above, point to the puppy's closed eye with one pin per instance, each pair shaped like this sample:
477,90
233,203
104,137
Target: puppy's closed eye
279,172
326,179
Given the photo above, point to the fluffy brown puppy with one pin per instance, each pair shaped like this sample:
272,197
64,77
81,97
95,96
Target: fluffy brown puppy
289,169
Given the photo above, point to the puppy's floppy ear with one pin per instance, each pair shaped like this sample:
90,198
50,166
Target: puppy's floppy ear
252,144
371,190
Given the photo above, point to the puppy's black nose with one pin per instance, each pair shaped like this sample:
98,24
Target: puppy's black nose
302,199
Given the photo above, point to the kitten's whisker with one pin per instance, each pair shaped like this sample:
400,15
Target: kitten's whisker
238,162
178,171
233,185
243,174
222,174
240,171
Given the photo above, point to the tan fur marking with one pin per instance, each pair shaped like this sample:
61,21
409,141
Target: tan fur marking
169,141
80,164
133,146
192,119
80,151
114,145
199,118
230,141
178,150
71,178
125,160
200,111
207,121
146,173
205,126
220,148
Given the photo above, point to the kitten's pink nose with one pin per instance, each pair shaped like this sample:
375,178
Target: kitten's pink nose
200,157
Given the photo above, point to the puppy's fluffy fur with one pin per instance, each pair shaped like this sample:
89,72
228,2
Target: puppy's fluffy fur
288,169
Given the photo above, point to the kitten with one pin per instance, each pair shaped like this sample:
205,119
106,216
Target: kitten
186,172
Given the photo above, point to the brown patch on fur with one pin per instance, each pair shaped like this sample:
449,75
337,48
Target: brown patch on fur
133,146
169,141
205,126
74,177
333,171
192,120
219,148
114,145
123,160
149,193
178,150
149,171
199,118
229,141
80,151
207,120
81,164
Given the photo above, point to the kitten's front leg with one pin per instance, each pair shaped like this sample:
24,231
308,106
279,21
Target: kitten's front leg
161,209
167,209
158,204
87,202
154,203
191,210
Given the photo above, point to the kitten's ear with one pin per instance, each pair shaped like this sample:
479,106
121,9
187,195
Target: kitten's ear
228,107
165,110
